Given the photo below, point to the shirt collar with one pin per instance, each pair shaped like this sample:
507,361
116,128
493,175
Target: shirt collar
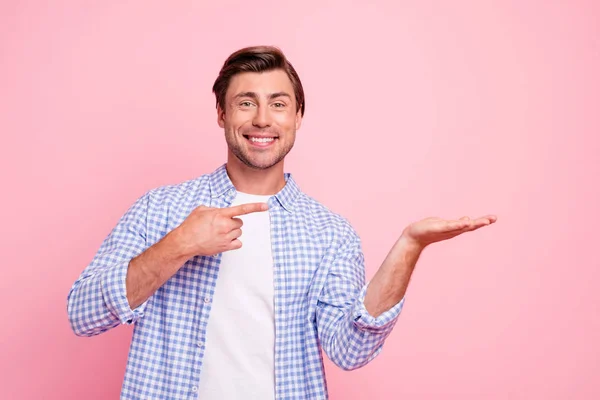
220,185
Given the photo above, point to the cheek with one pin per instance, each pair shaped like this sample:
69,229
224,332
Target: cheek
230,121
286,120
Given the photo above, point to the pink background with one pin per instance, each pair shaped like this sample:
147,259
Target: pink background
441,108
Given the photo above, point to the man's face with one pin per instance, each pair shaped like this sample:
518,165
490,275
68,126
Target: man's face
260,118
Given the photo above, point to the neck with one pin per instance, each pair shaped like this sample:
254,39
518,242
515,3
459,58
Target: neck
255,181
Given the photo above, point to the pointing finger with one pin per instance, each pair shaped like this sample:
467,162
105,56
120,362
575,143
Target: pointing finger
243,209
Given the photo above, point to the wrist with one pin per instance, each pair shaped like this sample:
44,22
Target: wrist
410,244
177,245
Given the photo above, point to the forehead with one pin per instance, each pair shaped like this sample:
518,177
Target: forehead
262,83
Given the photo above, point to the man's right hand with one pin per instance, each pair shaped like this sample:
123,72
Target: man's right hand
208,231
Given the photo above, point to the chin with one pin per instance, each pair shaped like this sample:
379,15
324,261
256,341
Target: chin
259,165
258,162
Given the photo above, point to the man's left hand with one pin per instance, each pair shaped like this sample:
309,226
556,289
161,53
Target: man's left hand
430,230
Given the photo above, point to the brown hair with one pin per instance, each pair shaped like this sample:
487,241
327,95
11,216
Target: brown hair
257,59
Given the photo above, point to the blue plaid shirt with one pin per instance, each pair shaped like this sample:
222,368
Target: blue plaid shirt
319,284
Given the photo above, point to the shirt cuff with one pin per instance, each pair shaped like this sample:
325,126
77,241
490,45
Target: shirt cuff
114,291
364,320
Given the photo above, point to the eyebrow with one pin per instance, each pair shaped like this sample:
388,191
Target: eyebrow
254,95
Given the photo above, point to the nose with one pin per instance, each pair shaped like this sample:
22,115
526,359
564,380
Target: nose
262,118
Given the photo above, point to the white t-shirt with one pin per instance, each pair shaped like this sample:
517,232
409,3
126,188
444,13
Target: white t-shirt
240,340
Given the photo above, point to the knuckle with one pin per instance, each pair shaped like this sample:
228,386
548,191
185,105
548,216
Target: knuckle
202,208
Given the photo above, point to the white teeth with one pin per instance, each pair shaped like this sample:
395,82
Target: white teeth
261,140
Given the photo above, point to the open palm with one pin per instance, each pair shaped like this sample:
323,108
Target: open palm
431,230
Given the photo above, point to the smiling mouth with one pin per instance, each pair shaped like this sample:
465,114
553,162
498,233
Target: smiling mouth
260,141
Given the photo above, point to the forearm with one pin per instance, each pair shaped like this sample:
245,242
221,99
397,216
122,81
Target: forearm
350,334
151,269
390,282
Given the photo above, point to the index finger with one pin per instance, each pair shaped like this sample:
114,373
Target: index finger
243,209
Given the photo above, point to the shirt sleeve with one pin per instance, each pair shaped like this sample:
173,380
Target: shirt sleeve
349,335
97,300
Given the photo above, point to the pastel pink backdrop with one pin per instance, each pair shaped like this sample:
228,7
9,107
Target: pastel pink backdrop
436,108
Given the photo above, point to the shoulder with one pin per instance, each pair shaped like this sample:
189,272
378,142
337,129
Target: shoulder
174,191
185,194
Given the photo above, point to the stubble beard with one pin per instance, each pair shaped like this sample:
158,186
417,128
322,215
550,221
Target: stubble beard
242,155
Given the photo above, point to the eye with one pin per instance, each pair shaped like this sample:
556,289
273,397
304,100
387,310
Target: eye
246,104
279,105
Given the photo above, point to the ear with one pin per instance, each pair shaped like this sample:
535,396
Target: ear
298,119
220,116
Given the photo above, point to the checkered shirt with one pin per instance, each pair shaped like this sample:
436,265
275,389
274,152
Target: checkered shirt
319,288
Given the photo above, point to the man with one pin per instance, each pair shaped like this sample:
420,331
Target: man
236,280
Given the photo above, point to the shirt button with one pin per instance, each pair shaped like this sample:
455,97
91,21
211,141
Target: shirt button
194,389
199,344
207,299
